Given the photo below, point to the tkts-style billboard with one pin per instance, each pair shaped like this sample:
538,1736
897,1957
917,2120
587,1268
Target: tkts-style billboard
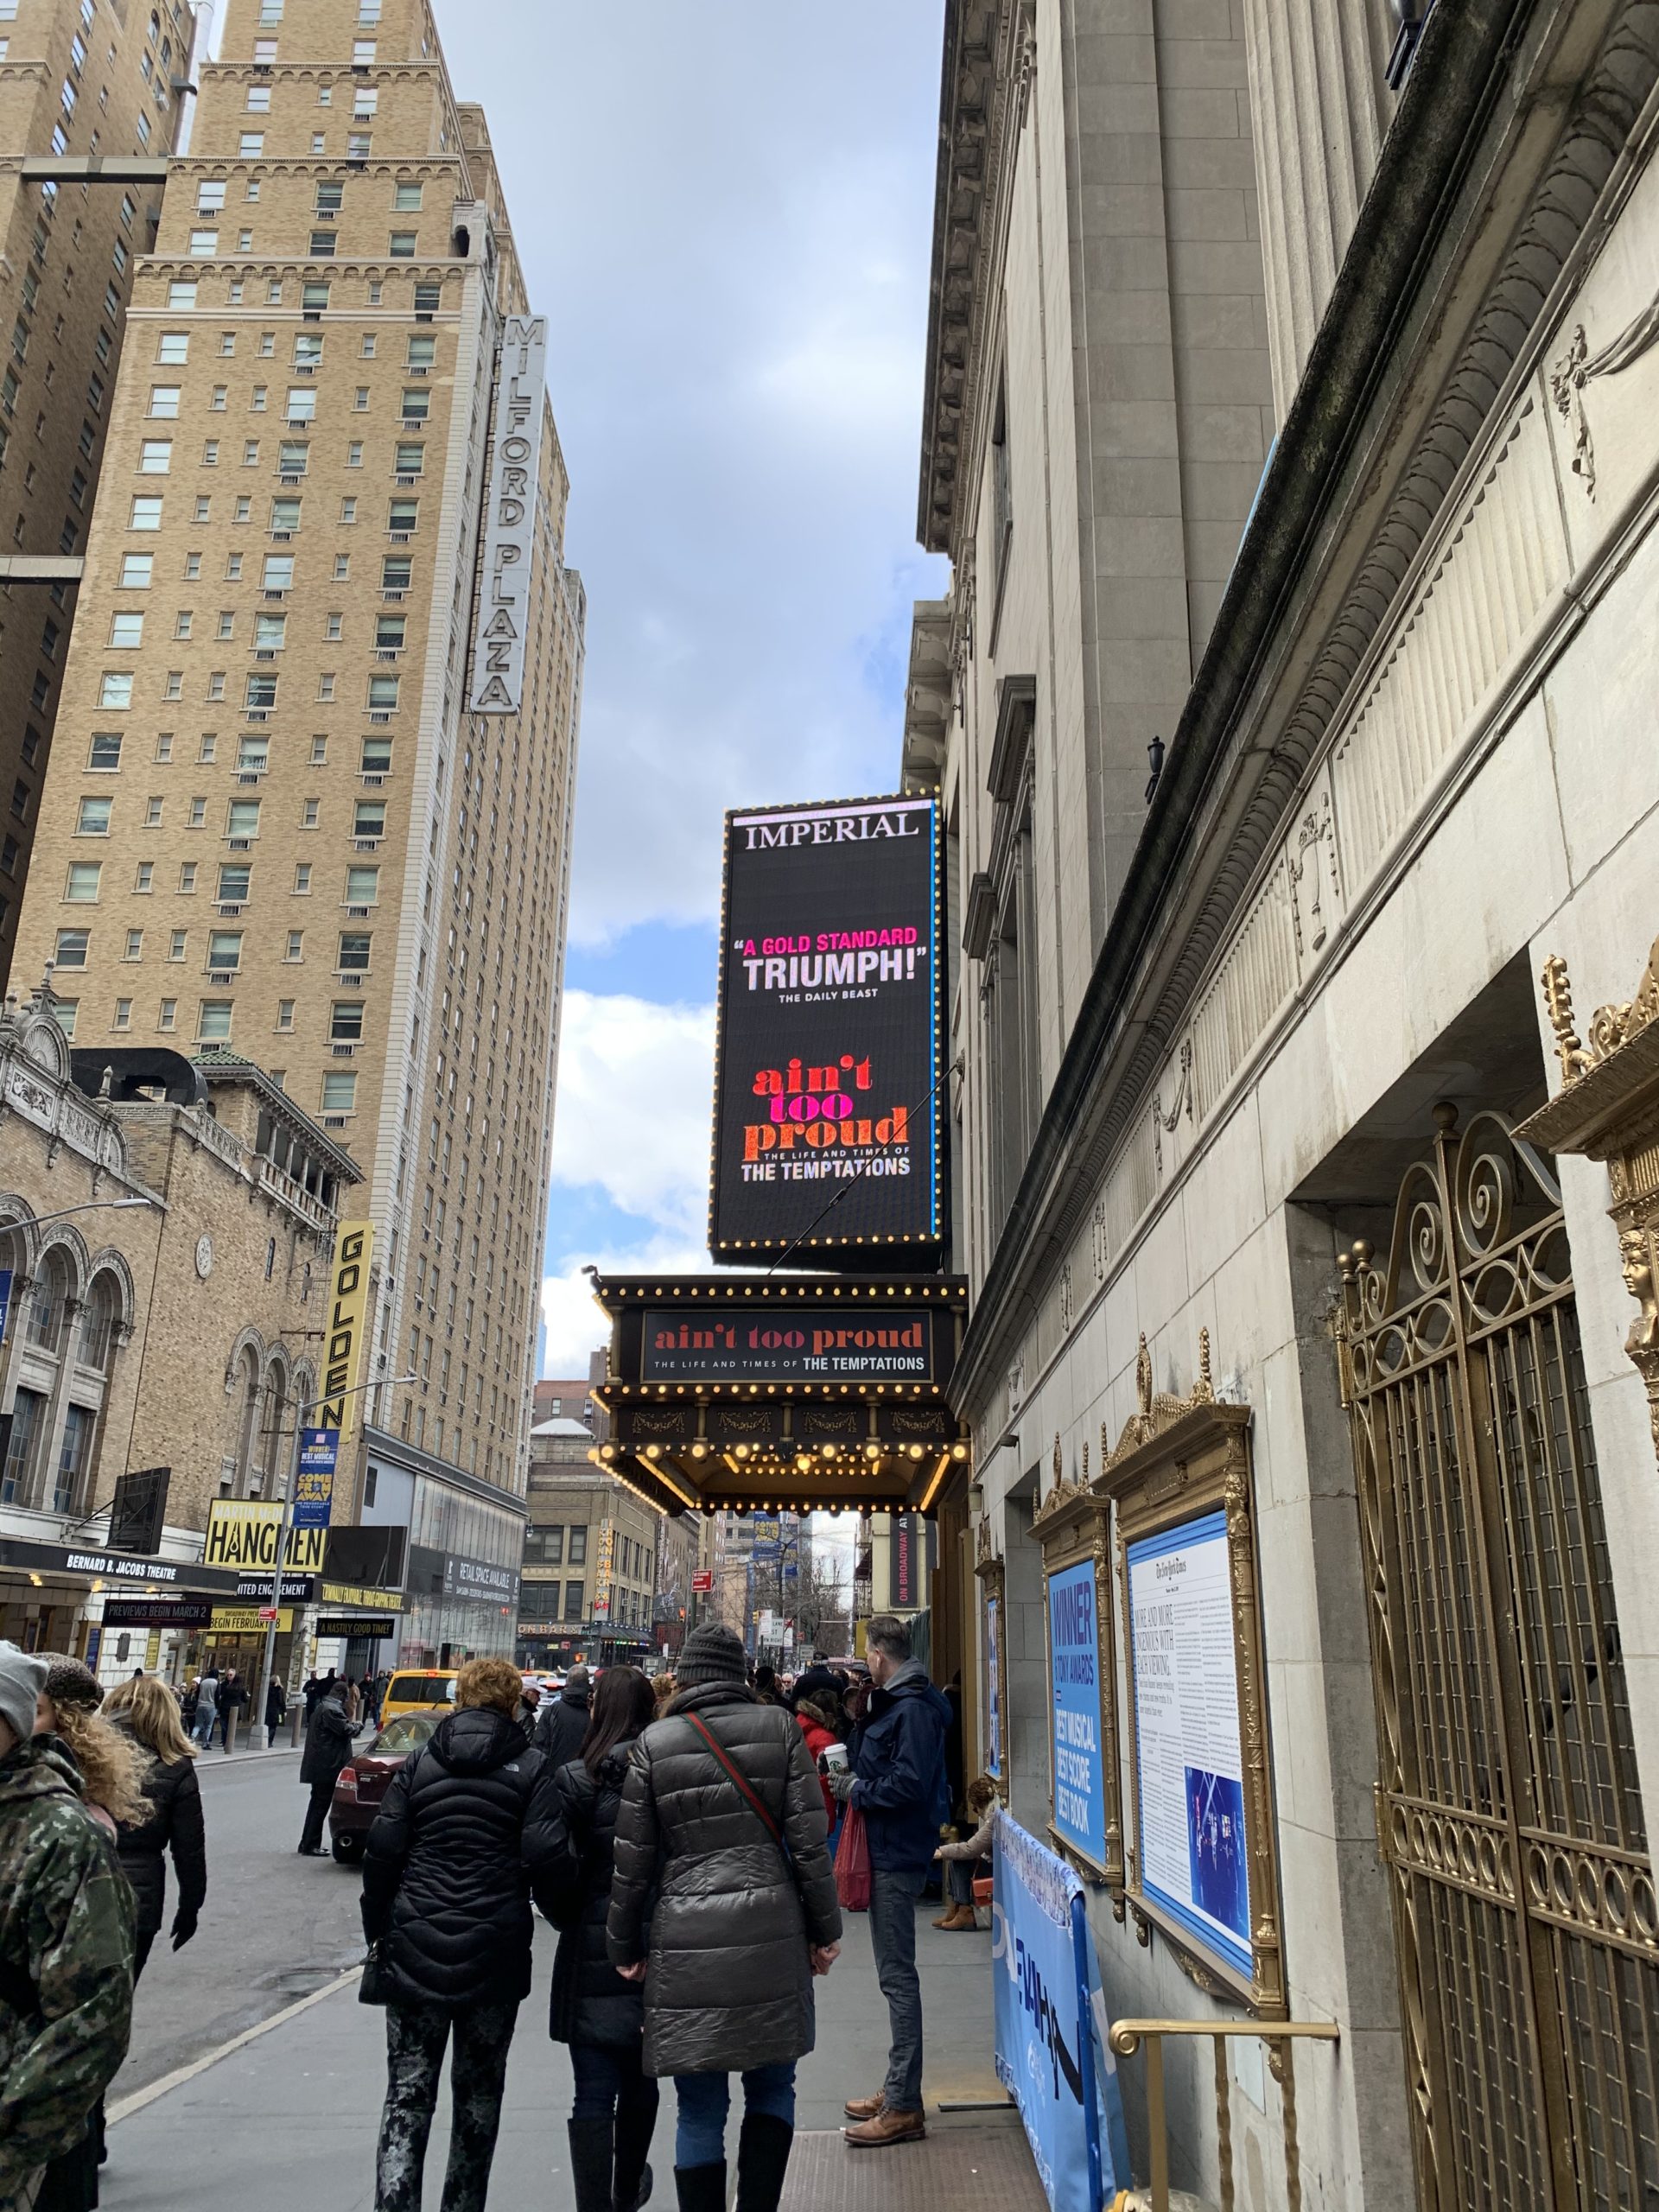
827,1105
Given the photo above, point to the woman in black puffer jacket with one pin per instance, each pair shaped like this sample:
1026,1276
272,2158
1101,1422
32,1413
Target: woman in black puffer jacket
145,1710
722,1841
467,1826
599,2014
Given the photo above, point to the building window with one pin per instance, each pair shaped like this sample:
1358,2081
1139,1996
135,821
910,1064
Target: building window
137,571
340,1091
81,889
167,1017
155,457
27,1408
214,1024
106,749
403,245
72,948
94,817
578,1547
164,400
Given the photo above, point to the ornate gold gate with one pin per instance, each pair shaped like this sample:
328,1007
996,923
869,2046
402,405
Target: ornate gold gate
1509,1814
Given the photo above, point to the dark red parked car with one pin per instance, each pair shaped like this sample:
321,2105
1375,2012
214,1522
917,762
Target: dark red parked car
363,1783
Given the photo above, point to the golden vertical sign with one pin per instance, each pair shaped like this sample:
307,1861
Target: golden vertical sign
348,1316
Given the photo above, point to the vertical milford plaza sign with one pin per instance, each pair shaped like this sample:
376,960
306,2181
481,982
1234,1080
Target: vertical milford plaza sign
510,527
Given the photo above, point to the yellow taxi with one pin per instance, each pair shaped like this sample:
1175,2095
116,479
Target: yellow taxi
419,1689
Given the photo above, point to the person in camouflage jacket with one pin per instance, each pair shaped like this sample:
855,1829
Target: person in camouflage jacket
65,1946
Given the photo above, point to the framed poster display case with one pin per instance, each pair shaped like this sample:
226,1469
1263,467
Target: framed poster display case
993,1622
1202,1865
1085,1824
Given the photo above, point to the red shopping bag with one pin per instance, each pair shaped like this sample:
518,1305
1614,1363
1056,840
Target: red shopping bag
852,1863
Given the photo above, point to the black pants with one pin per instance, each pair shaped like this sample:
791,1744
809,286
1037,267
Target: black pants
416,2036
323,1795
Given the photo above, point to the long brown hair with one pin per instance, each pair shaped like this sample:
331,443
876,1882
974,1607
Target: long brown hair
112,1765
152,1714
623,1703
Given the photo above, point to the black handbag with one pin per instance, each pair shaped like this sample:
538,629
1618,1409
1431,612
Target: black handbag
375,1988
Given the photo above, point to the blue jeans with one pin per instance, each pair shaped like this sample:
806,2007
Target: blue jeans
894,1892
705,2100
202,1727
609,2079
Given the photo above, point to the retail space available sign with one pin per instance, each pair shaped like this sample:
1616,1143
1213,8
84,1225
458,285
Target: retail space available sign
1189,1758
994,1715
1051,2025
313,1489
1074,1667
760,1344
828,1111
510,519
242,1532
348,1319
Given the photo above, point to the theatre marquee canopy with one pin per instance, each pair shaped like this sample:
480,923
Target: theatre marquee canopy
809,1392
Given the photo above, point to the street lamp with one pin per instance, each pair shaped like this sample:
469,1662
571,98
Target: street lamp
286,1523
93,1205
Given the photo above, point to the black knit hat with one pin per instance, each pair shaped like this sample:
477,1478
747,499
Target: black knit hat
69,1682
713,1653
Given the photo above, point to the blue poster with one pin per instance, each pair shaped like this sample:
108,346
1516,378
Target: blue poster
992,1689
1052,2052
1074,1663
313,1487
1189,1758
6,1277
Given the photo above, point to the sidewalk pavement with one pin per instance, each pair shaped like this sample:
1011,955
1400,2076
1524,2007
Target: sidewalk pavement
289,2115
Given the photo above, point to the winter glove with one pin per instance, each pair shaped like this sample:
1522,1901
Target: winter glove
184,1927
841,1779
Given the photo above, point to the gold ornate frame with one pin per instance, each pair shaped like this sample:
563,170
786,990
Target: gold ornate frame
993,1590
1072,1525
1176,1459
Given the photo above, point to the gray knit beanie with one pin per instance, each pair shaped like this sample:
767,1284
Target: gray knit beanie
23,1678
713,1653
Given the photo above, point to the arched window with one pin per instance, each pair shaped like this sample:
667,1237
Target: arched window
248,1439
98,1324
49,1300
274,1420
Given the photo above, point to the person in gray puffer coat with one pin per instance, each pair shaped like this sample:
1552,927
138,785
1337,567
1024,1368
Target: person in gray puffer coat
720,1840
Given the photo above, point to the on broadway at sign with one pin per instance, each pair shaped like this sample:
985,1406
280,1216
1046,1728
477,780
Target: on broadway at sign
313,1490
752,1344
827,1109
1074,1655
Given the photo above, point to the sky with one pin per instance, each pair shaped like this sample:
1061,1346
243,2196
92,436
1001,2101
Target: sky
726,213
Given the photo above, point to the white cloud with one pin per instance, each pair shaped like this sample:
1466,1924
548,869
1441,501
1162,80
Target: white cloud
575,1326
635,1099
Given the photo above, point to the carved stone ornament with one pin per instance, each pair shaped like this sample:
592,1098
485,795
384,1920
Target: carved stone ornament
1578,366
1608,1109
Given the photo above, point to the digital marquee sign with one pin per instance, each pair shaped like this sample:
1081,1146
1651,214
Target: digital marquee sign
758,1344
828,1105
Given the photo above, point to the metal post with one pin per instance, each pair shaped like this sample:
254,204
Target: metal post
1160,2142
257,1710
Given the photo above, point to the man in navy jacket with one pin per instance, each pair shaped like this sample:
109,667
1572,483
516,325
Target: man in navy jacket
896,1778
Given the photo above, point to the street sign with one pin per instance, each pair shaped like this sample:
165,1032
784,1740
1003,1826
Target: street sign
703,1580
267,1612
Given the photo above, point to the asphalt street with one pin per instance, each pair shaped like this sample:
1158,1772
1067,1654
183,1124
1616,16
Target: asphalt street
287,2116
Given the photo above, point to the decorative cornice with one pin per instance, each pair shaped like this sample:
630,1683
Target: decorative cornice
1226,792
979,101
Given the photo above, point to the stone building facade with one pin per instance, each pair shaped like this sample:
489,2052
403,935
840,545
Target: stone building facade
78,79
166,1305
275,825
590,1556
1245,1049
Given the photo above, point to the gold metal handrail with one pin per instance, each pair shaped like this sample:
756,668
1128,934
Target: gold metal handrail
1127,2036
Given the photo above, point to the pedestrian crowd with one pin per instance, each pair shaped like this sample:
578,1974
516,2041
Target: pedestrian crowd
692,1840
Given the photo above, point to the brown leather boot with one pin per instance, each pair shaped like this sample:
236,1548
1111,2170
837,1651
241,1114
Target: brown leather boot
960,1916
864,2107
886,2128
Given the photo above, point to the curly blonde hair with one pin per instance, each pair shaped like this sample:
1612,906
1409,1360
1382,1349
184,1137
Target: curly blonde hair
152,1714
495,1682
112,1767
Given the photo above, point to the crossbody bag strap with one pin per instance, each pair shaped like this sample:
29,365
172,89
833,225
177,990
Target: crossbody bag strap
734,1775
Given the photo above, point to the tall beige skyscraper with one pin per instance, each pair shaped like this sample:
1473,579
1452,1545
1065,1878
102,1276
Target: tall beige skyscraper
79,78
310,801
